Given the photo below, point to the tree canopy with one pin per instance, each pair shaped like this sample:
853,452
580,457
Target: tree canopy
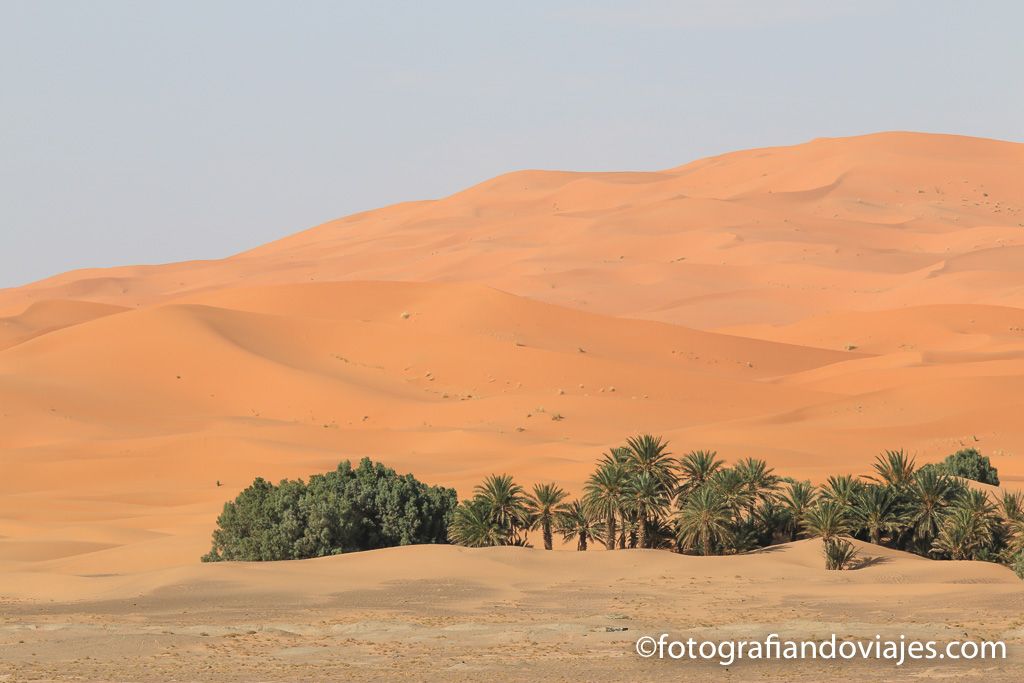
969,464
349,509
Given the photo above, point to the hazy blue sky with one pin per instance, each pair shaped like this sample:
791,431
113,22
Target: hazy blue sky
141,132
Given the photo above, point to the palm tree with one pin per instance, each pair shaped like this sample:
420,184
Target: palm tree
543,506
604,494
473,525
629,526
961,535
877,509
1015,531
827,519
649,454
1011,505
704,523
797,498
507,503
574,522
770,519
1011,510
661,534
733,488
930,494
894,468
696,469
618,455
984,516
648,500
842,489
759,482
979,505
839,554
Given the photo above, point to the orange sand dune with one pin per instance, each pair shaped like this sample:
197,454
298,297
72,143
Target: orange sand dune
49,315
810,304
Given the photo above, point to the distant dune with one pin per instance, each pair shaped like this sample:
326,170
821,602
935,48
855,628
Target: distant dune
810,305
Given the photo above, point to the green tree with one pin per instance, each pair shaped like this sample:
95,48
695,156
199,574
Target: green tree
983,530
962,535
796,499
1017,565
604,495
574,521
696,468
704,522
970,464
507,503
1011,505
543,506
759,481
842,489
828,519
650,455
894,468
648,500
770,522
877,510
733,489
361,508
930,493
474,526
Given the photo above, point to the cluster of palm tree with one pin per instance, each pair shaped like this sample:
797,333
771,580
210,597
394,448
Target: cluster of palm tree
503,513
641,496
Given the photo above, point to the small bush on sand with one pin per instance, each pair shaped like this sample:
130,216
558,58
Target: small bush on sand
839,554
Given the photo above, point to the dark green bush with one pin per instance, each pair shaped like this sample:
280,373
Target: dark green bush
349,509
969,464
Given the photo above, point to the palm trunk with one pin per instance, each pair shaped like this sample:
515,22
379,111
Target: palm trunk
548,541
642,533
610,540
582,544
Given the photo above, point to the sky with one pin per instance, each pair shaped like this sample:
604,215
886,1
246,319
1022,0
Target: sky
163,131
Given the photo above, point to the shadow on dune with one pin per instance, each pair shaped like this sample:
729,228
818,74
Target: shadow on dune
865,562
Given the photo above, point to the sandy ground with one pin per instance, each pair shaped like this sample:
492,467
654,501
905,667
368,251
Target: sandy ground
811,305
433,613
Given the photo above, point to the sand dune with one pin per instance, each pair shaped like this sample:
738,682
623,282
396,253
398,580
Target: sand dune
48,316
810,304
448,613
153,406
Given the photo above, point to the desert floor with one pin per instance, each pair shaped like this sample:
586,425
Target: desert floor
444,613
810,305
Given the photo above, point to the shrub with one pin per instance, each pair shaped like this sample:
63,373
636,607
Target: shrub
349,509
839,554
1018,566
969,464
